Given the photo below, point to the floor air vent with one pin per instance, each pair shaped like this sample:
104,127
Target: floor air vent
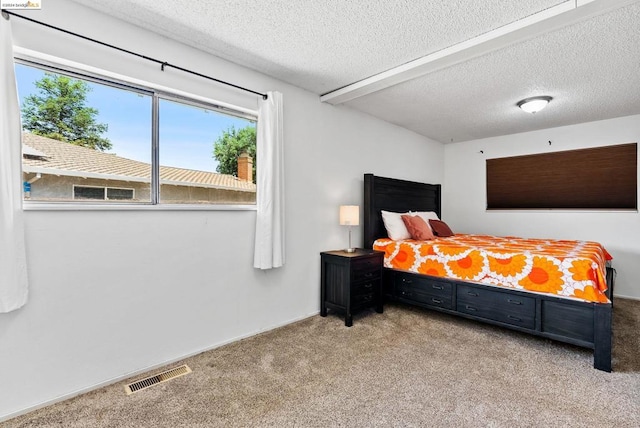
156,379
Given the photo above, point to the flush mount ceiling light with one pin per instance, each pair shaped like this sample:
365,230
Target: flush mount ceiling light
534,104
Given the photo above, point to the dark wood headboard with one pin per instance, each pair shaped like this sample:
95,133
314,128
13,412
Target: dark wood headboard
390,194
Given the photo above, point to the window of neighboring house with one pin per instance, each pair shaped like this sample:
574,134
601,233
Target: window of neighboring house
115,142
102,193
115,194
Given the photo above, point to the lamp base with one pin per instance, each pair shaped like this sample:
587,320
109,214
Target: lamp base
349,250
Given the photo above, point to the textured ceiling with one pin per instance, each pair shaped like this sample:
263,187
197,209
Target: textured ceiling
590,68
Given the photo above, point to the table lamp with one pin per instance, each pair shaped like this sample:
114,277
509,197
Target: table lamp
349,216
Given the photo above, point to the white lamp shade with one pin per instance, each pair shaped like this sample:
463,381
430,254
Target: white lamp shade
349,215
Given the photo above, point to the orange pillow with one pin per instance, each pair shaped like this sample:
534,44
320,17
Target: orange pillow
440,228
417,227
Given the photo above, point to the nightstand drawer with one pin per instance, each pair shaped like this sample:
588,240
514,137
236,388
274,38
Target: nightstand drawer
498,306
367,299
365,287
365,269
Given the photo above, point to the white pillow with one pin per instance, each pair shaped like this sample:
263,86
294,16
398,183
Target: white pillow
426,215
396,229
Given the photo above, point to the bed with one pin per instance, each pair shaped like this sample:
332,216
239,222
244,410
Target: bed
580,322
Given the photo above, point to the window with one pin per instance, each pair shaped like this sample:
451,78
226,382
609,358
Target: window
187,128
85,192
87,139
102,193
115,194
596,178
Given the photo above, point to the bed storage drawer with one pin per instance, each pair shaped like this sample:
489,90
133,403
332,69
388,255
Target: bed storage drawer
424,290
499,306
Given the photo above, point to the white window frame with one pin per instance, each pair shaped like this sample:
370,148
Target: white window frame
86,72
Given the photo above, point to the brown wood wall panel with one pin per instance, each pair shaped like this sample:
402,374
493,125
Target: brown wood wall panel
602,177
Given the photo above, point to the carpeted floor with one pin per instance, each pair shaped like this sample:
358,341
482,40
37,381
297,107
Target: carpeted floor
404,368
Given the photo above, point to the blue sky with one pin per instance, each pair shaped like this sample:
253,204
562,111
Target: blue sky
187,133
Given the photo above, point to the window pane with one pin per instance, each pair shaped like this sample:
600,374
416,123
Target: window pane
77,132
93,193
192,170
119,194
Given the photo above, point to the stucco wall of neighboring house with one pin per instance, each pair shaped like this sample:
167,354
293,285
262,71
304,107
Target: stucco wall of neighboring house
198,195
53,188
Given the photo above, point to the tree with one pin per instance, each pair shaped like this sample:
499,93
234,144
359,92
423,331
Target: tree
58,111
231,144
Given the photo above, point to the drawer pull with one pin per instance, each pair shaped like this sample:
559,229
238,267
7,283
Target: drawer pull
515,302
369,285
471,293
408,281
406,293
437,287
367,298
437,301
511,317
470,308
368,274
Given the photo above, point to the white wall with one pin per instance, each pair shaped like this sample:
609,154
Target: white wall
464,194
115,292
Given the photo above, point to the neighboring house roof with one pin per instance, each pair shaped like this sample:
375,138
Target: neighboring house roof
48,156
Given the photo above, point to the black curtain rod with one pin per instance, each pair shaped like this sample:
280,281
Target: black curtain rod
163,64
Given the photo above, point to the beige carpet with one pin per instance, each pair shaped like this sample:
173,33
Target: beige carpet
404,368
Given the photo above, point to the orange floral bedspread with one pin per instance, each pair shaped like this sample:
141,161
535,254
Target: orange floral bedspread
573,269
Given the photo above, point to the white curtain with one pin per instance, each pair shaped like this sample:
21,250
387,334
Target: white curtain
13,262
269,246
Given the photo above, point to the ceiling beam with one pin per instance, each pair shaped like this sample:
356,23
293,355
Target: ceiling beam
559,16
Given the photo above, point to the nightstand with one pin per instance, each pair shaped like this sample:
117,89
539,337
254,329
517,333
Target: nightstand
350,282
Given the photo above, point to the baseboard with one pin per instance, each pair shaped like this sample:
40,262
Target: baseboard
4,418
620,296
